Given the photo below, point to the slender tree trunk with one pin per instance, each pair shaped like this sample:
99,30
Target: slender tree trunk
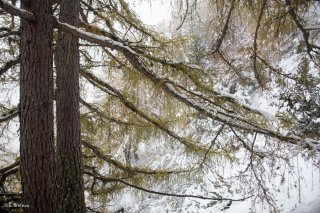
36,109
69,157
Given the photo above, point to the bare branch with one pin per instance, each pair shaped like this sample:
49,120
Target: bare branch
211,145
305,32
256,72
10,116
247,146
230,64
8,65
7,171
11,166
225,28
185,15
3,35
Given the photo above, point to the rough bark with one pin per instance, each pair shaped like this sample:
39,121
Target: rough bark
69,163
36,109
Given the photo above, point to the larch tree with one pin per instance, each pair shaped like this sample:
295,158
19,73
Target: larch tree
36,108
69,158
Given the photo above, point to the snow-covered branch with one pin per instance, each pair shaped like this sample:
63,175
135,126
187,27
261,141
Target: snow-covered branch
13,10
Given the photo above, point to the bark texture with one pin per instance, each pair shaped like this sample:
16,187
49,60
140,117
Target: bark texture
36,109
69,157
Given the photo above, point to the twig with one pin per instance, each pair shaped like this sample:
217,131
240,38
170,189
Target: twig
185,15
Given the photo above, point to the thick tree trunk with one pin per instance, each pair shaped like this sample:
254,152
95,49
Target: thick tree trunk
36,109
69,157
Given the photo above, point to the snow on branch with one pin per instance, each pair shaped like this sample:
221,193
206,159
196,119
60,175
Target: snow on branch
13,10
97,39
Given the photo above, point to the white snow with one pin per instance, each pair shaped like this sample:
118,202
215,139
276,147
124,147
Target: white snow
311,207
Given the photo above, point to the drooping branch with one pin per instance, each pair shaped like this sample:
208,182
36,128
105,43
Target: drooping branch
134,58
106,180
13,10
132,20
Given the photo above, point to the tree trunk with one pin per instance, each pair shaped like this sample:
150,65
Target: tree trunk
69,157
36,109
